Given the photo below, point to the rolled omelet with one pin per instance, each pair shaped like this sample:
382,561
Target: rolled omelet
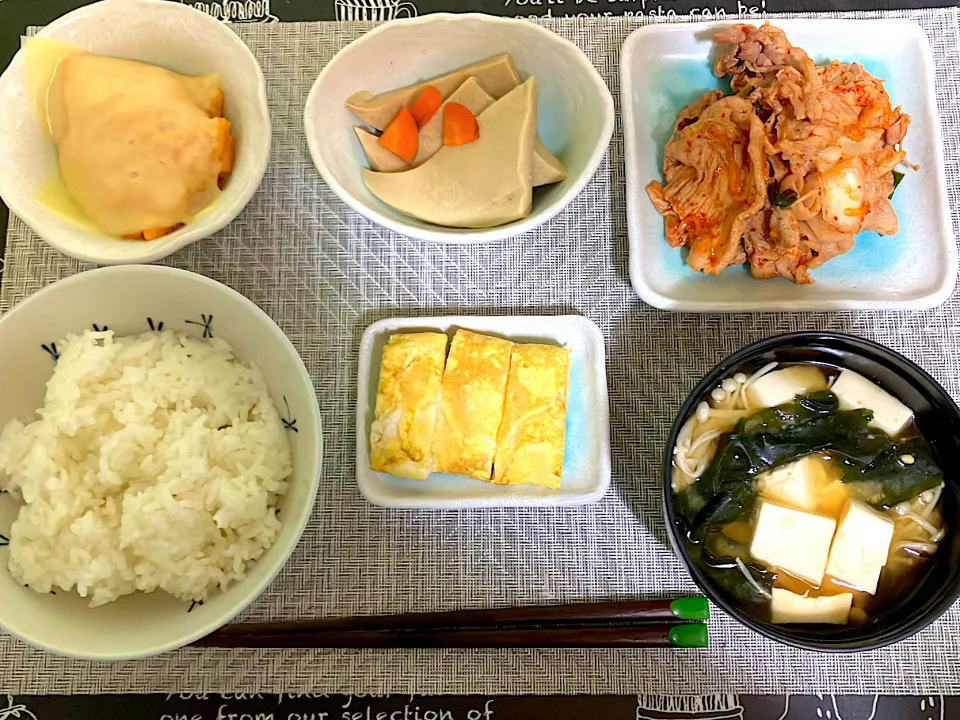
471,405
408,395
531,440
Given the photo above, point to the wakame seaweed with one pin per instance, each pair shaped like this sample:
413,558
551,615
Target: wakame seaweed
777,436
899,472
736,583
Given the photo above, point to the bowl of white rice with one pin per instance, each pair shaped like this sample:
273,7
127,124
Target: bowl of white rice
160,453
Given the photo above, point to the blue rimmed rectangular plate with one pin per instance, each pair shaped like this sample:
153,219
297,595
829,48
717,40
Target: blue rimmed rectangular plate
586,464
665,67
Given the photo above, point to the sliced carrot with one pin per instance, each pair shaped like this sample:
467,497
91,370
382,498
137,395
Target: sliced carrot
224,149
227,157
401,136
459,125
152,233
216,105
426,105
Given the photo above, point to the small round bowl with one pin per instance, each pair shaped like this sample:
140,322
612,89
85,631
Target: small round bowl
133,299
938,419
574,119
163,33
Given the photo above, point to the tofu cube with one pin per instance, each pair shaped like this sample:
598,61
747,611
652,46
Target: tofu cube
794,485
788,607
860,547
794,541
854,392
782,386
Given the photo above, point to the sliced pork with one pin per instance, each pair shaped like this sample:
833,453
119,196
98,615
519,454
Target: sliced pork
786,171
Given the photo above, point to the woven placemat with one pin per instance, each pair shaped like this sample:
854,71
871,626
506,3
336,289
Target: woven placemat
324,274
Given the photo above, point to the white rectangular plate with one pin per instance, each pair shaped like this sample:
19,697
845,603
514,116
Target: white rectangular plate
586,463
665,67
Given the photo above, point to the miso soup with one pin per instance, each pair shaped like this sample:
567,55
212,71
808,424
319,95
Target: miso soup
808,494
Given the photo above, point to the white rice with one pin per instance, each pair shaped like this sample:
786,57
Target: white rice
156,463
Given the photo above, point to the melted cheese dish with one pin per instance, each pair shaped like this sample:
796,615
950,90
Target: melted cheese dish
471,405
407,399
531,440
141,149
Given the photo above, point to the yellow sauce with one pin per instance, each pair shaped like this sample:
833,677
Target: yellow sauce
53,195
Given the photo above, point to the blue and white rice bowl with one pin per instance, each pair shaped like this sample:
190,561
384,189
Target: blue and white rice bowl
130,300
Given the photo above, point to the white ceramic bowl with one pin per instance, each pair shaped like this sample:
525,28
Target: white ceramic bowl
128,299
575,113
663,67
168,34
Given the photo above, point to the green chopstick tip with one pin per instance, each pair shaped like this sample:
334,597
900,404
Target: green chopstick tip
691,608
692,635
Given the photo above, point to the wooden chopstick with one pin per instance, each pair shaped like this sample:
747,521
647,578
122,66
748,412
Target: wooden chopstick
637,611
609,636
636,623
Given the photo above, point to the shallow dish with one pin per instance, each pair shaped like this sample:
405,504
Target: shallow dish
665,67
575,118
167,34
127,300
938,419
586,464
